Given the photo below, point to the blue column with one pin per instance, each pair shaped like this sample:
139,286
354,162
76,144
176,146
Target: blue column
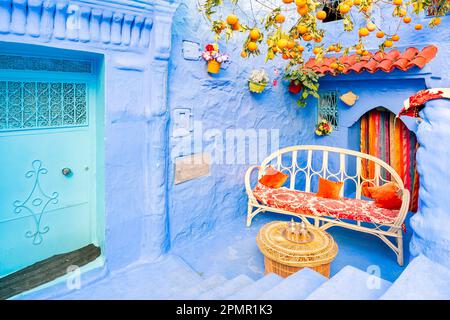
431,223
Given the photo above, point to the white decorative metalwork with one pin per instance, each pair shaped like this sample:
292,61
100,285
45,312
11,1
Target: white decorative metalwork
26,105
327,108
294,168
36,203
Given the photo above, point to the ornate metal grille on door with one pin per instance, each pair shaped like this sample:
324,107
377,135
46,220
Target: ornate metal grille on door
36,104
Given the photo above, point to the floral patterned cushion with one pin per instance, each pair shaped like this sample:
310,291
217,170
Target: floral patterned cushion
309,204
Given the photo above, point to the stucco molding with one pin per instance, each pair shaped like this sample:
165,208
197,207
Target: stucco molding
100,23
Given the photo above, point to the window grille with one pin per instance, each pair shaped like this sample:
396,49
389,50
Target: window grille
26,105
331,8
328,108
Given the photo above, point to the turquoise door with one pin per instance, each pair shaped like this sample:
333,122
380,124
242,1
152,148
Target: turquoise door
47,166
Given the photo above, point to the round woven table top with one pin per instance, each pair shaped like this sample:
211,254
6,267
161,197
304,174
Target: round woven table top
321,250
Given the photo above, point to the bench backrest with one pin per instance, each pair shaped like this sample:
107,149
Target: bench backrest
309,162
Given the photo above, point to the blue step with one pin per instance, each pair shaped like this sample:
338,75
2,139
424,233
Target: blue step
422,279
193,292
295,287
254,290
227,289
351,284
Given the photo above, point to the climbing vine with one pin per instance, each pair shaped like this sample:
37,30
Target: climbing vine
285,27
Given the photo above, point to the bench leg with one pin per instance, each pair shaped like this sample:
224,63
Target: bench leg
249,215
400,248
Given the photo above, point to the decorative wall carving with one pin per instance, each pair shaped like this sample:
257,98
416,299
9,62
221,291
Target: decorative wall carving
77,21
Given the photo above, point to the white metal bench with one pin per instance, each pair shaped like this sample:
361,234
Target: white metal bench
300,163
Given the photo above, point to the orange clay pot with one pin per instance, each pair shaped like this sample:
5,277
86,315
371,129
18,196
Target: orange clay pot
213,66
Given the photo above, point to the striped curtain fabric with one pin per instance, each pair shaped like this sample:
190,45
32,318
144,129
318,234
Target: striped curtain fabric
387,138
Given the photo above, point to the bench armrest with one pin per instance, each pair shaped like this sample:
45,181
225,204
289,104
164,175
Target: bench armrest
404,208
248,187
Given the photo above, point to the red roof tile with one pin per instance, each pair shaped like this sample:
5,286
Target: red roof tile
384,61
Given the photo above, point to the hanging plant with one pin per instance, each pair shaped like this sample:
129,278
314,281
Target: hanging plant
305,81
214,58
258,81
324,128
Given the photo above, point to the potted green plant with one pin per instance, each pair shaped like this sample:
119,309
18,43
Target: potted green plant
324,128
258,81
304,81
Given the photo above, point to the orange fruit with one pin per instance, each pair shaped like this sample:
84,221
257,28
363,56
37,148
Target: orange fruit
255,34
282,43
356,2
359,52
307,37
334,65
285,56
232,19
318,39
300,3
395,37
317,50
363,32
397,2
365,53
244,54
303,10
302,29
288,1
331,48
321,15
279,18
290,44
300,48
380,34
338,49
252,46
388,43
371,26
407,19
418,26
343,9
341,68
437,21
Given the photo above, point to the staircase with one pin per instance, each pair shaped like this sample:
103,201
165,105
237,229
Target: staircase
422,279
172,278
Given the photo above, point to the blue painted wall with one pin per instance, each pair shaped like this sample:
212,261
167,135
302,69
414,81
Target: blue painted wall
132,40
197,207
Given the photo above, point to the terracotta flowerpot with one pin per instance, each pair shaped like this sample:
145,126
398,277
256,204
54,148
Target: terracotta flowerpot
256,87
213,66
295,88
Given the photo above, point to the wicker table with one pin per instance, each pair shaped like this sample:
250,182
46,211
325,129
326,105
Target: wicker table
285,257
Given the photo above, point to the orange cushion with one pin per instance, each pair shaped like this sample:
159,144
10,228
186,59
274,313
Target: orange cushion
386,196
329,189
273,178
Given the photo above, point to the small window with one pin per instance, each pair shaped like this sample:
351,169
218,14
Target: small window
328,108
333,13
436,6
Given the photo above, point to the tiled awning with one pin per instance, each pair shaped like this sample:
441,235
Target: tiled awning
384,61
